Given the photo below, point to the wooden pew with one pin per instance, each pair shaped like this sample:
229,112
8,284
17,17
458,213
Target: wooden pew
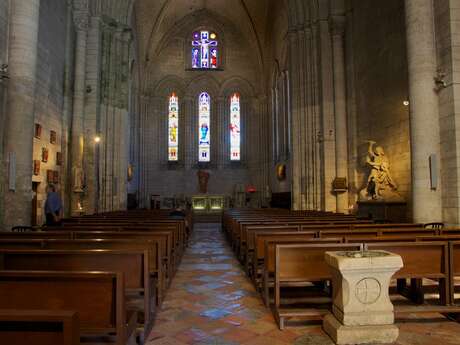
154,248
422,260
298,265
39,327
164,237
98,297
36,234
269,260
134,265
248,248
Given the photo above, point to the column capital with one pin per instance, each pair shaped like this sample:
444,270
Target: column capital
80,14
337,25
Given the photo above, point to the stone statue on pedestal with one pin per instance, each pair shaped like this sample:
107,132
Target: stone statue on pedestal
380,184
79,180
203,178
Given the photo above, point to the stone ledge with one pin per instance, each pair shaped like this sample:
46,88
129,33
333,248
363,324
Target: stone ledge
343,335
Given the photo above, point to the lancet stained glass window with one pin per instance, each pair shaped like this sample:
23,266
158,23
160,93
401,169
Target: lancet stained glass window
204,120
205,50
173,126
235,127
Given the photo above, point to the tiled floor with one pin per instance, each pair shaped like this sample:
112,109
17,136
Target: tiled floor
211,301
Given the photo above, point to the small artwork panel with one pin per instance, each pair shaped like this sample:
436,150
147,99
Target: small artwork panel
58,158
55,177
45,153
38,131
36,167
53,137
49,176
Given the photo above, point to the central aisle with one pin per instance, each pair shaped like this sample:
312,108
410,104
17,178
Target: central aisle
211,301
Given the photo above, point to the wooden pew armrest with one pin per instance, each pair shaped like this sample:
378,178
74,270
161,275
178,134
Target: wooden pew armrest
131,322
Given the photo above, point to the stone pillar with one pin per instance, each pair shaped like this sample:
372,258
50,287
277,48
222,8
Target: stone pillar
424,112
341,135
295,121
327,112
19,129
187,114
318,197
221,152
81,23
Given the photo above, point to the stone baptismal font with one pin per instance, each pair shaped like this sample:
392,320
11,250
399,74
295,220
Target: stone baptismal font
362,310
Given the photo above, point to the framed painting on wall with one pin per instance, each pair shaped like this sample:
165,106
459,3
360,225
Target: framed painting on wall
49,176
45,153
38,131
59,158
36,167
53,137
55,177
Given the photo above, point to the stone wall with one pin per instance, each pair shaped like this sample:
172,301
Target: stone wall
380,88
447,20
277,87
49,95
3,60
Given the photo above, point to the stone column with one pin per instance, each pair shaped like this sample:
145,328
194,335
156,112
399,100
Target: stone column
187,113
318,198
341,137
143,176
326,81
295,121
19,129
81,23
221,129
424,112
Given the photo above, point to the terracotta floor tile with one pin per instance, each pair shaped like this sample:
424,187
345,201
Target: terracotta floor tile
211,302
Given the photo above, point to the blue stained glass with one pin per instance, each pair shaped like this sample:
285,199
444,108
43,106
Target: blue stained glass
204,50
204,135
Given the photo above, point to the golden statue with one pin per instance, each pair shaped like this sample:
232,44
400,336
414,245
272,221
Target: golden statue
380,184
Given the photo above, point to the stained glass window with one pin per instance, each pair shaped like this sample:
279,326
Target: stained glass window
235,127
205,50
204,118
173,125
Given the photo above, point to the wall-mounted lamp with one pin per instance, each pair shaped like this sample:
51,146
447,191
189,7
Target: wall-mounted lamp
406,103
97,139
439,81
4,72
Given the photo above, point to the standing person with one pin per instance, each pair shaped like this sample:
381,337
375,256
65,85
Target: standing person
53,206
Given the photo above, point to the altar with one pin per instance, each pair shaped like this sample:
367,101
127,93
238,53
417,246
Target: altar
208,208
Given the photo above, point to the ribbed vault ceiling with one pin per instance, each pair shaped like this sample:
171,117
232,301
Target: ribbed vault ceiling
156,18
